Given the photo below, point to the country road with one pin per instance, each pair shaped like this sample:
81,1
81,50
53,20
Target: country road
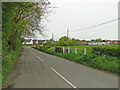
36,69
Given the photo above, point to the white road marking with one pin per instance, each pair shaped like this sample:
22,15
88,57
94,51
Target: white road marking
33,53
64,78
40,58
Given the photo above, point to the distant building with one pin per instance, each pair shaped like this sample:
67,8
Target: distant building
28,42
97,43
51,41
35,41
92,43
102,43
84,43
113,42
41,42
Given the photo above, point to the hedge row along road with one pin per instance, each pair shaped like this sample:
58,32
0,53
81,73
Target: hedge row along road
36,69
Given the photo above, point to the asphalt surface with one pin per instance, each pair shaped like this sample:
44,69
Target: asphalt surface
36,69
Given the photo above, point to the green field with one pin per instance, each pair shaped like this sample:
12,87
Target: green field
91,46
88,47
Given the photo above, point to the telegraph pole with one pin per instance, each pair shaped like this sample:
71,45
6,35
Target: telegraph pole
67,37
67,33
52,36
52,39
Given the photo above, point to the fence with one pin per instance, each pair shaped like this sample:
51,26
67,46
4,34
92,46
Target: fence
74,50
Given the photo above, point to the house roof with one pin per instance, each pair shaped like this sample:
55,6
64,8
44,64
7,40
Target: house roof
34,40
41,40
28,40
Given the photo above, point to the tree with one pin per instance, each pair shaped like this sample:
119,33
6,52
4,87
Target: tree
64,41
98,40
73,42
19,20
92,39
22,19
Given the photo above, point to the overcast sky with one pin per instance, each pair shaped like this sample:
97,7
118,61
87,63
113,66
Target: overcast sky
78,14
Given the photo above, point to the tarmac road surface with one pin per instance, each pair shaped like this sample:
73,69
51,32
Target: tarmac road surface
36,69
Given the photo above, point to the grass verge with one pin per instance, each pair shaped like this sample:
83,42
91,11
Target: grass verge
102,62
8,63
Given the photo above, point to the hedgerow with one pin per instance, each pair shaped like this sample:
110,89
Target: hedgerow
103,62
106,51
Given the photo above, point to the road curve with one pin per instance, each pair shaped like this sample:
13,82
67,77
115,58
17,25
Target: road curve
36,69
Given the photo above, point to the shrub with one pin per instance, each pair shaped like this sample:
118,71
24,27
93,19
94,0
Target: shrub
94,59
106,51
58,49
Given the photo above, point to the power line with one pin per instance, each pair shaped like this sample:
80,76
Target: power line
61,33
89,27
96,25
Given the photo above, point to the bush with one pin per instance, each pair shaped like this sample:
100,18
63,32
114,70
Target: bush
8,62
96,60
58,49
106,51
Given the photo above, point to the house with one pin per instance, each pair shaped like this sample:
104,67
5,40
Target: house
35,41
51,41
41,42
102,43
117,42
83,43
28,42
113,42
92,43
97,43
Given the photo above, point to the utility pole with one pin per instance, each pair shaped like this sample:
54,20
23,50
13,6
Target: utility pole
67,38
52,39
52,36
67,33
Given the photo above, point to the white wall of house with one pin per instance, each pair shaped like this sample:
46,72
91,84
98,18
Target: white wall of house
97,43
44,41
31,42
92,43
27,43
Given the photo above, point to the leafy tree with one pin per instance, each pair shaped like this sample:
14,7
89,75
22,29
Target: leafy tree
23,20
72,42
20,20
99,39
92,39
83,40
64,41
47,44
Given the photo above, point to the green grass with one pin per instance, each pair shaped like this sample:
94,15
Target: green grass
102,62
89,47
8,63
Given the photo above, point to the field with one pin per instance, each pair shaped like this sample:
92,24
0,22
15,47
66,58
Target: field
103,57
80,49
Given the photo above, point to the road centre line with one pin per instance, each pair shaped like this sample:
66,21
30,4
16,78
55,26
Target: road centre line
64,78
40,58
33,53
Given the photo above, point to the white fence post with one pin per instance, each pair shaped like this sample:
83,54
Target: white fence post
75,50
84,50
68,49
63,49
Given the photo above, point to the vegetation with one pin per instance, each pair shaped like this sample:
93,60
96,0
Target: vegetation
19,20
115,52
65,41
103,62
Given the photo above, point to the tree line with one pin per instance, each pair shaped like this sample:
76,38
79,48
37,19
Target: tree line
20,20
65,41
